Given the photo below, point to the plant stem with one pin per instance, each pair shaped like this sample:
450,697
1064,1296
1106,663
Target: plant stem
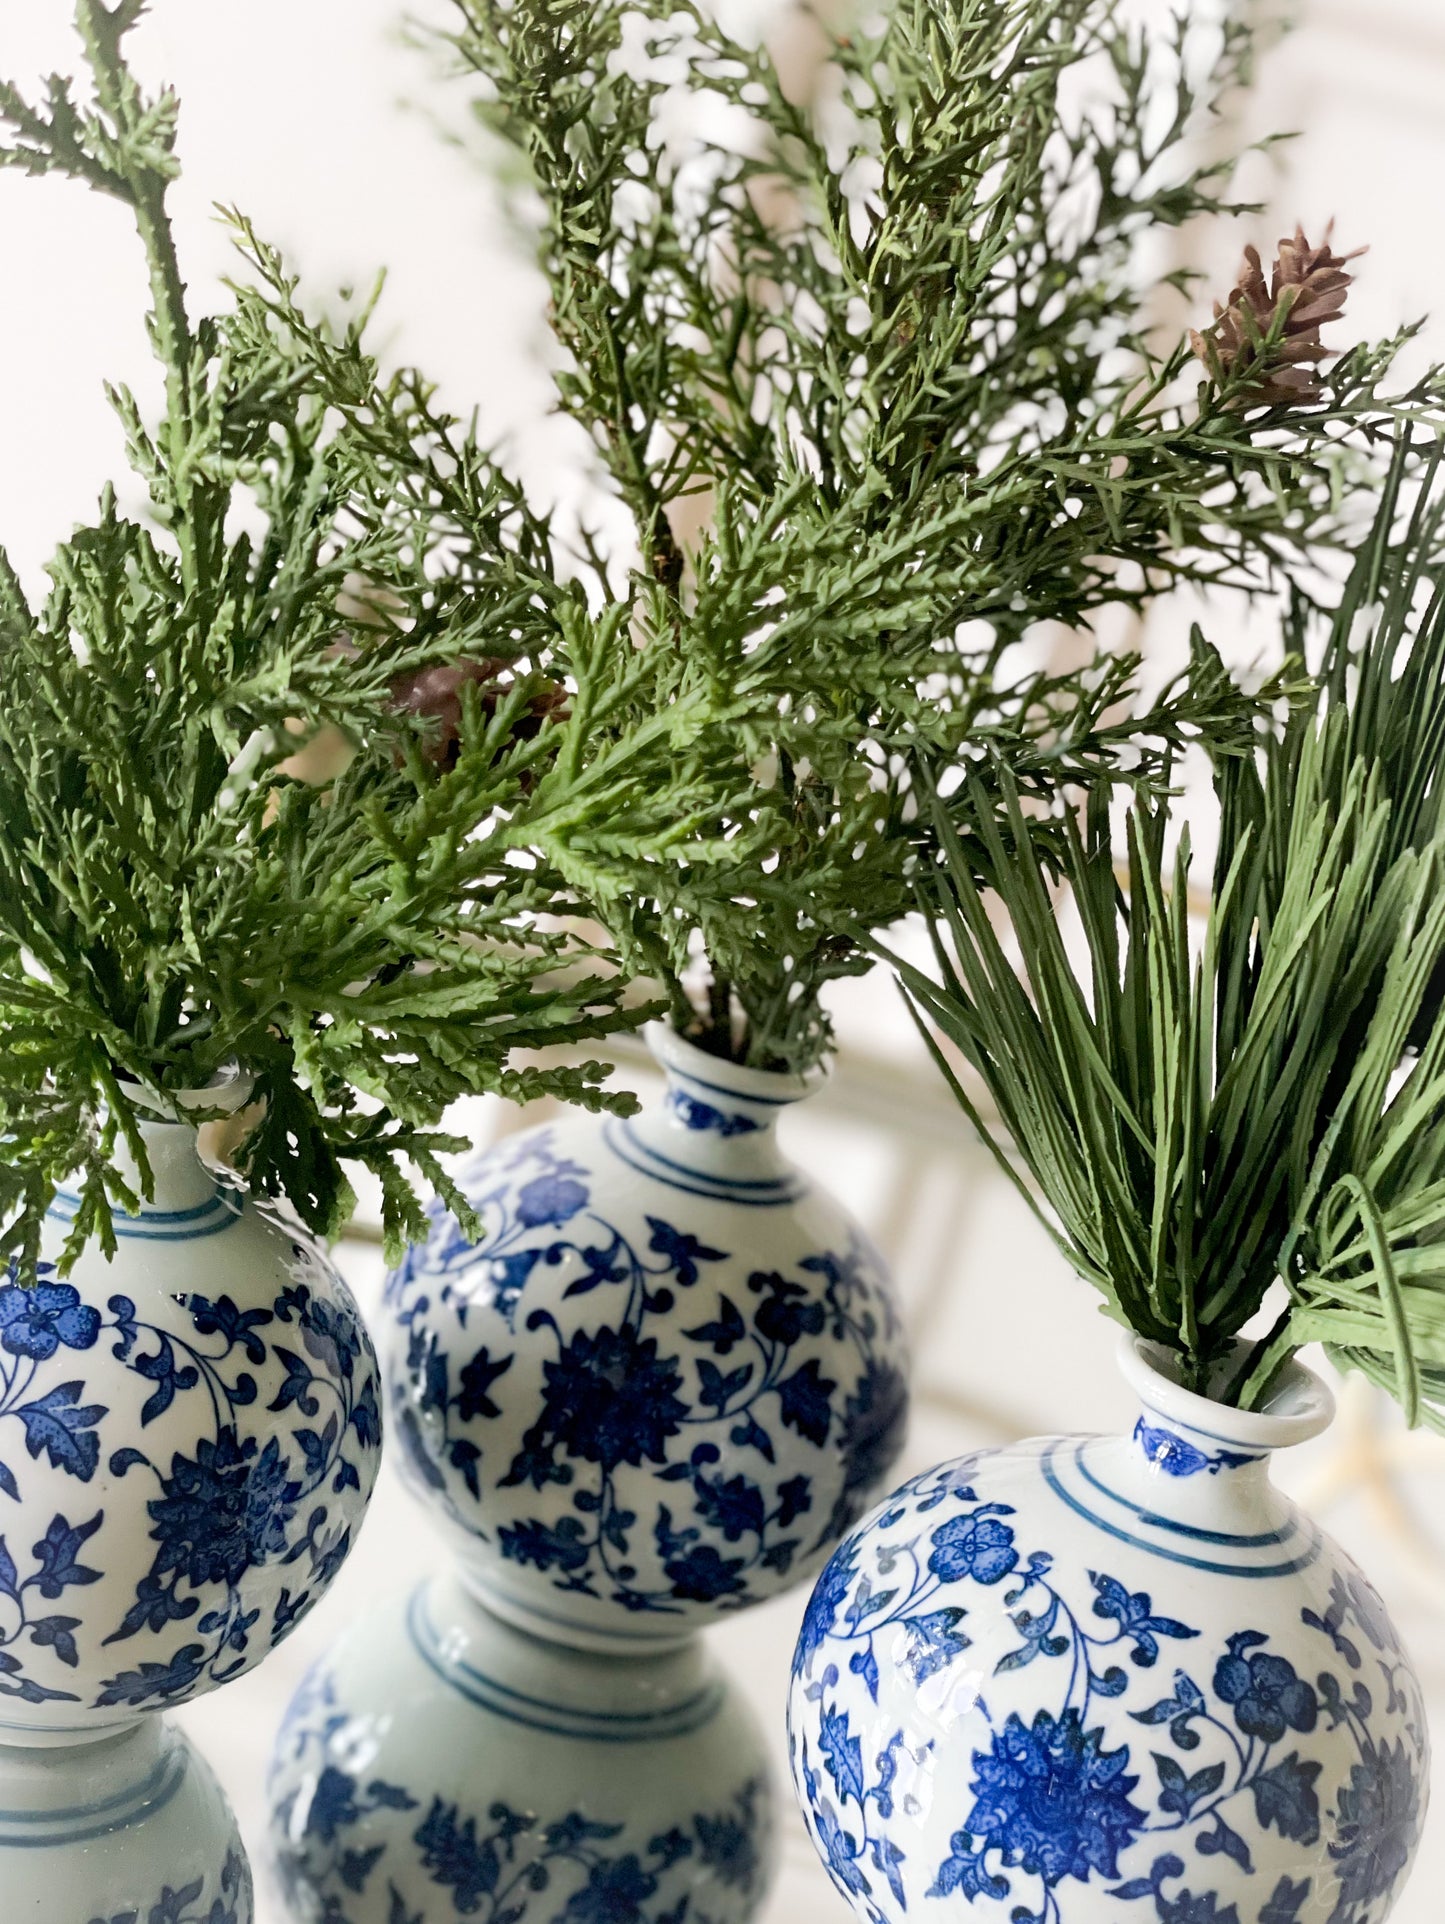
145,187
1248,1387
717,1035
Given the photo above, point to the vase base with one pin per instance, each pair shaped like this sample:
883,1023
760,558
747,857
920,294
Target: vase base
438,1760
131,1825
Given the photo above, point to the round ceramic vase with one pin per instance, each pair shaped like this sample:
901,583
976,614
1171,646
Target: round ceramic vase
1110,1681
130,1828
666,1381
440,1764
189,1434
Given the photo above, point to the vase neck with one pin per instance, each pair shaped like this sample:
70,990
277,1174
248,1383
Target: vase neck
1190,1480
1182,1496
187,1197
1191,1470
659,1690
180,1179
715,1123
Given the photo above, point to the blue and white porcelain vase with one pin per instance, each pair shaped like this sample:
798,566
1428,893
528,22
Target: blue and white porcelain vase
1110,1681
189,1434
666,1381
131,1828
441,1765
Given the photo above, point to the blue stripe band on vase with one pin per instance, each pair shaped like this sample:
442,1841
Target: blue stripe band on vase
1248,1571
1270,1539
563,1720
210,1218
649,1163
686,1076
82,1823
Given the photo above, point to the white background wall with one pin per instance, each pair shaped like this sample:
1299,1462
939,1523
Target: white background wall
293,111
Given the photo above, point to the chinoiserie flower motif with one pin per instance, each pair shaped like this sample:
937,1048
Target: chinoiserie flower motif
784,1312
1204,1907
728,1844
977,1546
703,1574
642,1403
840,1852
1380,1814
36,1322
829,1595
614,1894
223,1510
1053,1800
550,1200
1369,1612
875,1417
611,1398
1266,1694
333,1806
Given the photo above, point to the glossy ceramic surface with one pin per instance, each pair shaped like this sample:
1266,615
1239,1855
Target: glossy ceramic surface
667,1380
443,1765
1110,1681
188,1438
128,1829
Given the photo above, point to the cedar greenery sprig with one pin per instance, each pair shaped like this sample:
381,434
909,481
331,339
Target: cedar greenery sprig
172,897
1204,1117
899,342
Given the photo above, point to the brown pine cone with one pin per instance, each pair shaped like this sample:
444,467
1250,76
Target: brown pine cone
1308,288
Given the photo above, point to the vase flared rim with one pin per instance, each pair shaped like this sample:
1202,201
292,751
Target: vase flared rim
1301,1405
227,1091
674,1052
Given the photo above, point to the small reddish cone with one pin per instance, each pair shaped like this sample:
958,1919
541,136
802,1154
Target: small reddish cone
436,694
1308,287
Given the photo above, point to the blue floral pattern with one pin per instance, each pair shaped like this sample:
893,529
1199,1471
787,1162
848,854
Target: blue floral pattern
1086,1776
694,1113
1284,1903
57,1568
665,1458
1177,1455
1050,1799
352,1849
188,1903
35,1322
228,1504
1379,1818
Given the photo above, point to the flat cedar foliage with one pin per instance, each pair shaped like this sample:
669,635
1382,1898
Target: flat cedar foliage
172,897
1205,1111
896,351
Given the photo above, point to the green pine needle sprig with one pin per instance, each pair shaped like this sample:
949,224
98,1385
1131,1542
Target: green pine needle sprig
1203,1113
